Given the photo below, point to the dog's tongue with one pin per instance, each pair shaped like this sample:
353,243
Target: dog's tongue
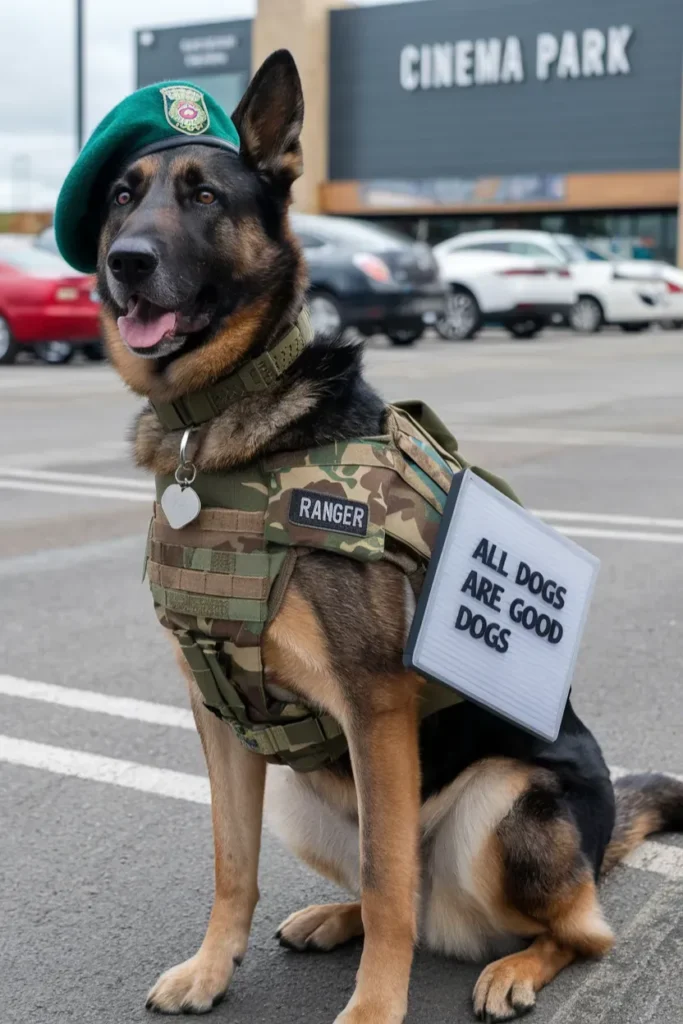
145,324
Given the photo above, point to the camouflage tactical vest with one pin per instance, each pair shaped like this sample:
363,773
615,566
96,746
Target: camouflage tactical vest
218,581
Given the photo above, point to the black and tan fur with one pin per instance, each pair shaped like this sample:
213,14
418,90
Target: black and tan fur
462,832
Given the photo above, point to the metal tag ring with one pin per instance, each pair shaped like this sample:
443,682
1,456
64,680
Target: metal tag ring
183,446
185,474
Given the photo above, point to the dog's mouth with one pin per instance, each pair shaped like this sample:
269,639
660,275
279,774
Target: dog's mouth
151,331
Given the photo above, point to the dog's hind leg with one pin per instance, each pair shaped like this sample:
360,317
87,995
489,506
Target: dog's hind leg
572,924
507,988
538,878
237,780
506,863
321,927
547,878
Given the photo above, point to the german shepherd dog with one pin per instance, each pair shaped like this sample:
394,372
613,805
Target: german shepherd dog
460,832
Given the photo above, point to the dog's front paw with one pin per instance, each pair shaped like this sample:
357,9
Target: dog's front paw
195,986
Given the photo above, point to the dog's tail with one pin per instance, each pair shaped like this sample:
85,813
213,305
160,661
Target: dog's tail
645,804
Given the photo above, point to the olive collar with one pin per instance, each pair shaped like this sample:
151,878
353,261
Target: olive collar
257,375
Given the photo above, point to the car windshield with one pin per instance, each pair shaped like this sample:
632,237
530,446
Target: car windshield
34,260
352,233
575,251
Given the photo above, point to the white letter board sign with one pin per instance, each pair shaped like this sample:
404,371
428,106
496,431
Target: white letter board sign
503,607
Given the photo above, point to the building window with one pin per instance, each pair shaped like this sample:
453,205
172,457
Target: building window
641,234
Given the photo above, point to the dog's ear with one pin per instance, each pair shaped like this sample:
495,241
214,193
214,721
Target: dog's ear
269,119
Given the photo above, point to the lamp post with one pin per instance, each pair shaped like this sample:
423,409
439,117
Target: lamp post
680,187
79,74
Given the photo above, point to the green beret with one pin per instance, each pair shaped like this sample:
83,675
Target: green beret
156,117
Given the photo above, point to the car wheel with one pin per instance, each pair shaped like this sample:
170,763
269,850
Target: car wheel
94,352
462,319
326,314
634,328
586,315
54,352
525,328
8,346
405,335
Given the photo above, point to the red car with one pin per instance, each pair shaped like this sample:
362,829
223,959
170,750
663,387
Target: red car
44,304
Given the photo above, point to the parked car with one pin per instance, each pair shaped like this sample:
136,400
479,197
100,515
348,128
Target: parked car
44,304
490,286
362,276
366,277
672,305
628,293
46,240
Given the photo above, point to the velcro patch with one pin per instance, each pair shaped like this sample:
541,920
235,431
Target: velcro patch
327,512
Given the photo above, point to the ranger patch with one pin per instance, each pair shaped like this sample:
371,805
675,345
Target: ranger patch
328,512
185,109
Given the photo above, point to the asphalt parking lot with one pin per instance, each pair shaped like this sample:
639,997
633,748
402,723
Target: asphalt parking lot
105,835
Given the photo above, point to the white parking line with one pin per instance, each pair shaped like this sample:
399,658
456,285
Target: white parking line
75,478
637,535
81,492
151,712
655,857
58,559
85,384
659,858
615,985
608,518
101,703
132,489
96,768
104,451
140,710
546,437
618,773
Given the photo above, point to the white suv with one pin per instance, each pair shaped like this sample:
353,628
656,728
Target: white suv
493,284
628,293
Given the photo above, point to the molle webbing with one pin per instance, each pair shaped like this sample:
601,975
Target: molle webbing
216,599
218,581
304,744
214,583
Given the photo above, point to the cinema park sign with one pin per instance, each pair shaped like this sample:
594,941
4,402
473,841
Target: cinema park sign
592,53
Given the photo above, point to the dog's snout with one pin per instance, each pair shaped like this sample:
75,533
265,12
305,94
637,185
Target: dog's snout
132,262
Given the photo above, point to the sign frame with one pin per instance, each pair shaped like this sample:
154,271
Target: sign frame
411,656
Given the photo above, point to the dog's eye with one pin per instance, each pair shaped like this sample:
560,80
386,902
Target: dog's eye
205,196
122,197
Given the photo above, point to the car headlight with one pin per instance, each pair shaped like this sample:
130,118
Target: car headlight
372,266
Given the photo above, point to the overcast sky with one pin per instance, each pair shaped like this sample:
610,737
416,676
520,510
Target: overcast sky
37,142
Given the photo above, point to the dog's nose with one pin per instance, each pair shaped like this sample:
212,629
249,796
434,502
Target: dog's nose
132,262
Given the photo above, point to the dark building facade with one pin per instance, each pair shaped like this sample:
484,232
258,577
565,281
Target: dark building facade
445,115
217,57
474,88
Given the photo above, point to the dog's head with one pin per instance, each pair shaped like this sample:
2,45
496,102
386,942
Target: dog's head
196,262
